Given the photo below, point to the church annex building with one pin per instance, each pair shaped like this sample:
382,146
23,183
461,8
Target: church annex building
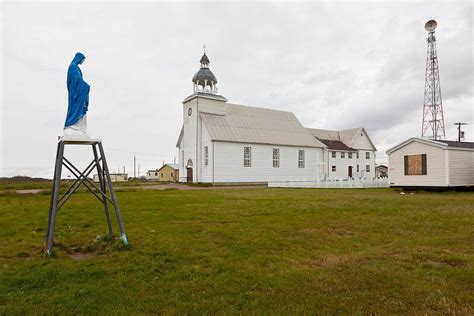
221,142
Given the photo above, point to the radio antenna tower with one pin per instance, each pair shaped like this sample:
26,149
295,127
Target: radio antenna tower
433,117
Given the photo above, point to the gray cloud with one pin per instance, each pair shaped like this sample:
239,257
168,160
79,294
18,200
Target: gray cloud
335,65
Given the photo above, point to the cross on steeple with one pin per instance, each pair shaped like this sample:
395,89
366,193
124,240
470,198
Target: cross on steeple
204,48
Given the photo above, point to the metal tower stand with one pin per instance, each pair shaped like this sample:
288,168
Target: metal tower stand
99,162
433,117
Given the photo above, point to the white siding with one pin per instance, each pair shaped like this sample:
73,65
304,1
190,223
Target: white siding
342,165
188,143
205,172
461,167
229,164
435,165
361,142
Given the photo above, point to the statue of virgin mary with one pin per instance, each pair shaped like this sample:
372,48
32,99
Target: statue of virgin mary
78,100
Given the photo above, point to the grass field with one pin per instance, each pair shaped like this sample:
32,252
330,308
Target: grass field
252,251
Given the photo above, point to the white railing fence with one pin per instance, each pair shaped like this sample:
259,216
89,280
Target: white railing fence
346,183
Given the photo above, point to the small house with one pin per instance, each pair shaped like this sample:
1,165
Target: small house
169,172
381,171
424,163
114,177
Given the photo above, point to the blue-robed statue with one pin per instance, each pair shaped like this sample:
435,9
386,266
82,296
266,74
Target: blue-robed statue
78,100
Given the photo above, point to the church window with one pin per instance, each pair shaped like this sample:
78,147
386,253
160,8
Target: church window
367,155
300,158
276,158
333,169
343,155
357,155
357,168
247,156
333,154
349,155
367,168
206,155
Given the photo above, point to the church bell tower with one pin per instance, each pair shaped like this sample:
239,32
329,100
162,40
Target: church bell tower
204,80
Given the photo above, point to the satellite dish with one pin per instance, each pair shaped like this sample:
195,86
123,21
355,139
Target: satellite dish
431,25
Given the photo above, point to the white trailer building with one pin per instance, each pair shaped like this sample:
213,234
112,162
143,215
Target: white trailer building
423,163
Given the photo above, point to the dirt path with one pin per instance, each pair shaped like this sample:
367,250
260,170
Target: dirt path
184,187
31,191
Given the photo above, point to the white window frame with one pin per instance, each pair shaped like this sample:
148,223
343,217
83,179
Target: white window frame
333,169
349,155
301,158
206,156
367,155
276,157
357,155
248,158
333,154
343,155
367,168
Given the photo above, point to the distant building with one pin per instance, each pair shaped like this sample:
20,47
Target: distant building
423,163
152,175
168,172
114,177
381,171
222,142
349,153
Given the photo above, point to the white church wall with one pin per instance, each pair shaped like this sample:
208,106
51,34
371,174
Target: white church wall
229,163
188,143
361,142
205,170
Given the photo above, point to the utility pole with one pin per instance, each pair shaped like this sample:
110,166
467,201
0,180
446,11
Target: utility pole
460,133
134,166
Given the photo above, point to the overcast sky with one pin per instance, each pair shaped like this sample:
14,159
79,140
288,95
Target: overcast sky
335,65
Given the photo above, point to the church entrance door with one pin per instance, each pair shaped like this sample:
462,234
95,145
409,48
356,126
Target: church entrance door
189,175
350,172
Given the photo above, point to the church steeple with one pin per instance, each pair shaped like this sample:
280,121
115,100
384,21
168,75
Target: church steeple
204,80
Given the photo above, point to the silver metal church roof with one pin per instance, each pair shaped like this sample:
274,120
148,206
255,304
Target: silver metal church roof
245,124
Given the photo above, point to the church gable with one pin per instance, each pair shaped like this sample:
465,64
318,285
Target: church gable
357,138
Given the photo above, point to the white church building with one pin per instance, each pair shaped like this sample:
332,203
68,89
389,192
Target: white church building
221,142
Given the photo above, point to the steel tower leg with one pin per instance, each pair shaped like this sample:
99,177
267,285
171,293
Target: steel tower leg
112,195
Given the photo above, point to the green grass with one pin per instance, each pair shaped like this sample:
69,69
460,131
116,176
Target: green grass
253,251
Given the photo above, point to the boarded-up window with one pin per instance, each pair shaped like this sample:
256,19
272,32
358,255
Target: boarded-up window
415,165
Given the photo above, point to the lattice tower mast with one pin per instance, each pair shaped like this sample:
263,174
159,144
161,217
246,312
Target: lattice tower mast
433,117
